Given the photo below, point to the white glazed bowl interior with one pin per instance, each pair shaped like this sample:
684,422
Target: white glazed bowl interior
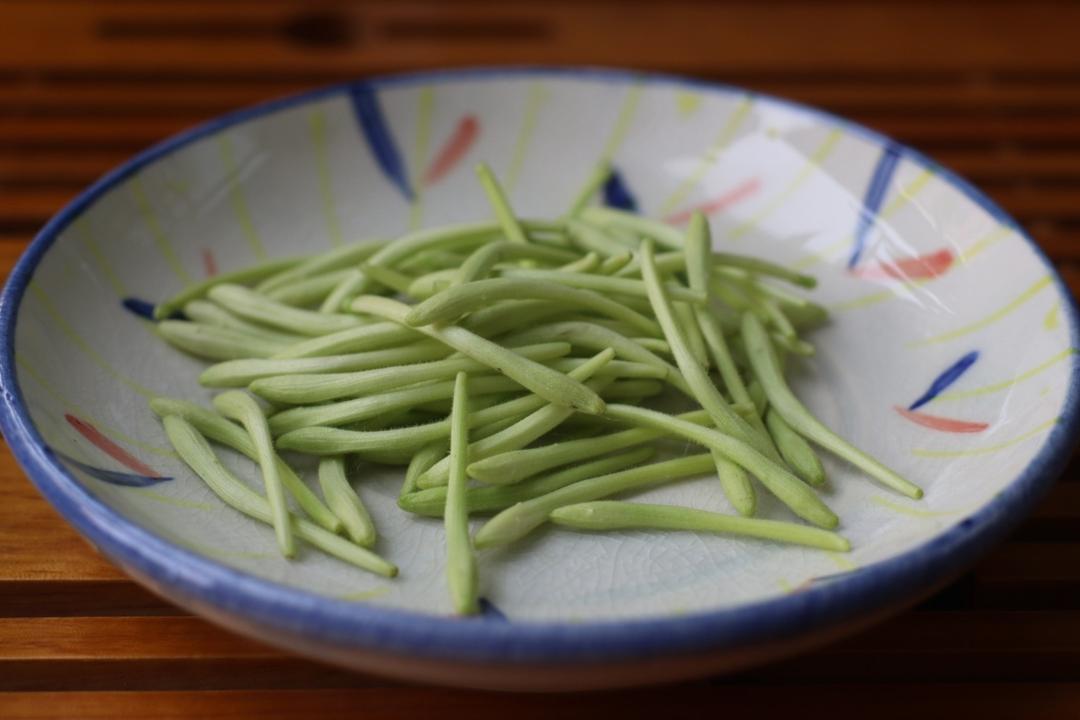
921,274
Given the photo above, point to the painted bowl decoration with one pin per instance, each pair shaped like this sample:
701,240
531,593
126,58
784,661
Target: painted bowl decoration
949,356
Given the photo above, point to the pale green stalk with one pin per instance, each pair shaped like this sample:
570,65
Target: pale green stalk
605,284
499,203
239,406
704,391
585,264
519,520
614,515
483,259
443,238
224,431
786,487
314,388
363,408
695,342
253,306
247,275
741,266
421,461
427,285
593,183
511,467
545,382
206,312
336,259
461,573
784,402
593,239
304,293
630,391
614,264
656,345
376,336
615,368
215,343
523,432
607,217
452,303
431,502
240,373
394,443
796,452
197,454
595,337
344,502
399,282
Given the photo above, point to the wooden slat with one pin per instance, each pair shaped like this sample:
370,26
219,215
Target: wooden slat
996,701
972,645
145,96
46,168
684,36
34,543
121,131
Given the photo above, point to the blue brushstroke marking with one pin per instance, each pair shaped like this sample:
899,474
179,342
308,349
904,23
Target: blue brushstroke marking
139,307
113,476
145,309
377,133
945,379
617,193
875,196
488,611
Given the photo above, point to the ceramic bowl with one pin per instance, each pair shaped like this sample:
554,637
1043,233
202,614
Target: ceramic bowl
949,356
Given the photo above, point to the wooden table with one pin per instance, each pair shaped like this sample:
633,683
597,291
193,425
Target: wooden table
991,89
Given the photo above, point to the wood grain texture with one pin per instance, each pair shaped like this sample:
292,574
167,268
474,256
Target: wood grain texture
990,89
1034,701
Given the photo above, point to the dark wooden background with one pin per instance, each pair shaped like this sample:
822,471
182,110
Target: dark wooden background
991,89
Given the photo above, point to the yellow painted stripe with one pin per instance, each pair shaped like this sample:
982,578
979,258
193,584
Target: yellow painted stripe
366,594
538,96
622,122
687,102
213,551
902,198
109,430
990,319
727,134
82,228
1053,317
986,449
965,256
812,163
843,561
317,126
153,223
906,194
424,110
1005,384
913,512
237,199
167,500
76,340
979,246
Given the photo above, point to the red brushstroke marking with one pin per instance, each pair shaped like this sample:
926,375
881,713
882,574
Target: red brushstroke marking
922,267
940,423
721,202
457,145
209,264
110,448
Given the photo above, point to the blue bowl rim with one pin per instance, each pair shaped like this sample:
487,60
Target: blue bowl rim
207,584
